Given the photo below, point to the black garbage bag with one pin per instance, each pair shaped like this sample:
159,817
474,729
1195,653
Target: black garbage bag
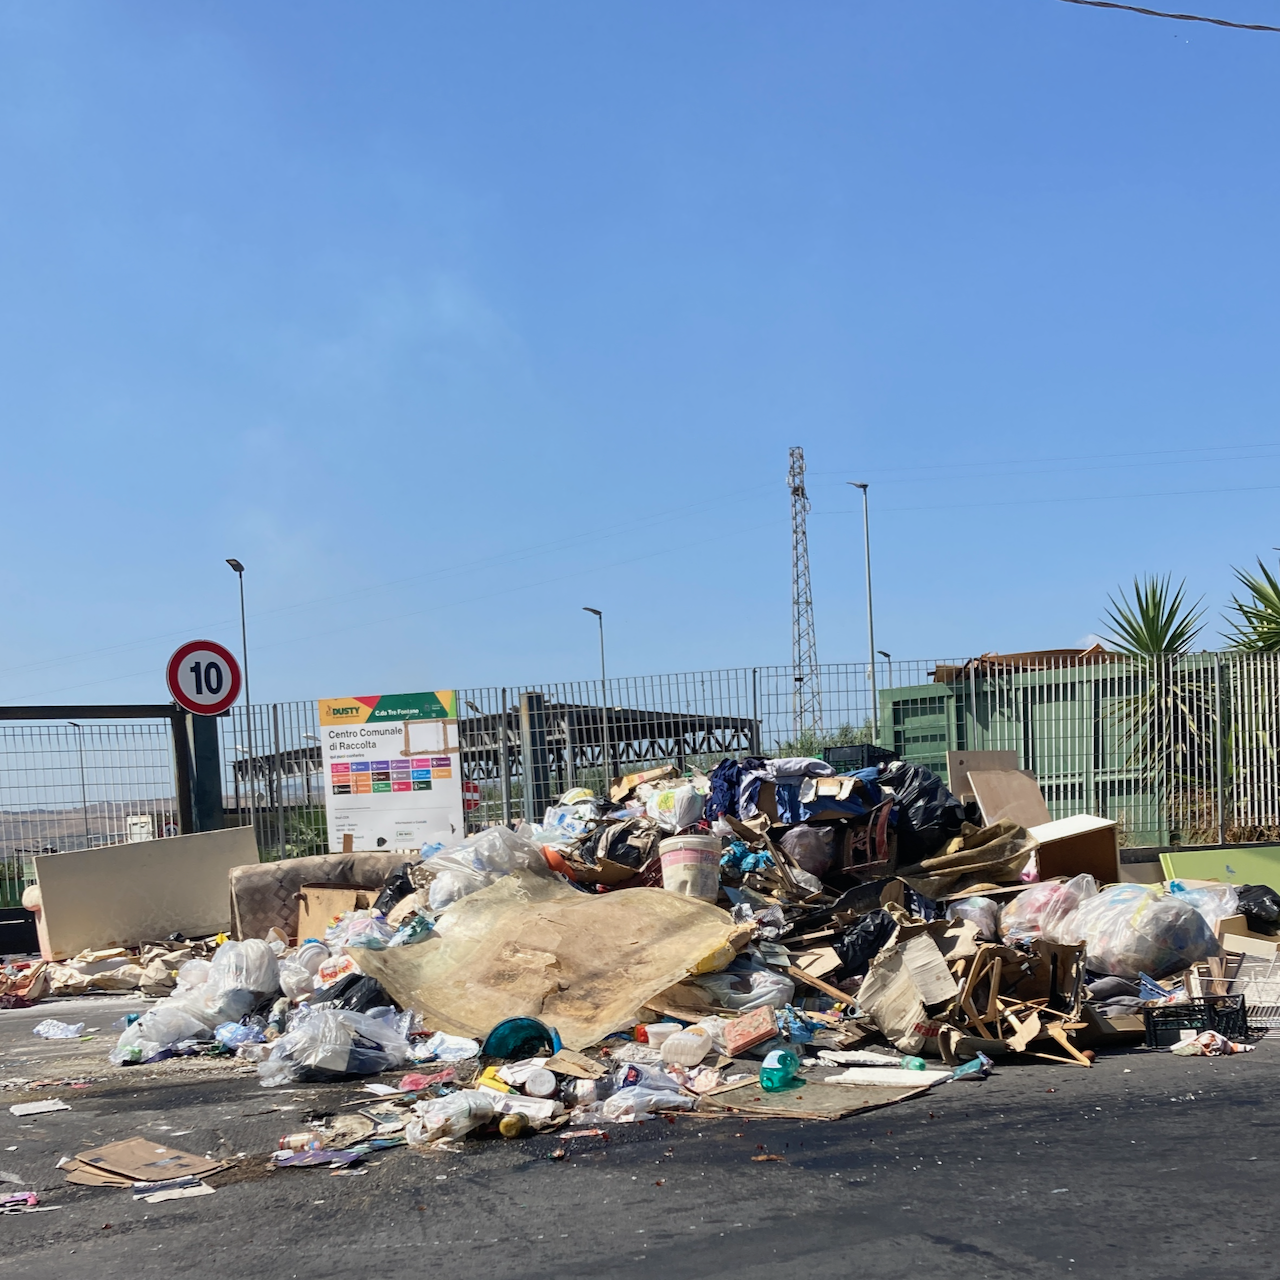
397,885
356,992
1260,906
863,941
630,843
928,814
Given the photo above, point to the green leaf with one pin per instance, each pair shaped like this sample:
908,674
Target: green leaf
1154,621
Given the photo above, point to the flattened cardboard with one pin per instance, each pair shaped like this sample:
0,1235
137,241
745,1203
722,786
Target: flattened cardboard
130,893
141,1160
1007,793
813,1101
960,763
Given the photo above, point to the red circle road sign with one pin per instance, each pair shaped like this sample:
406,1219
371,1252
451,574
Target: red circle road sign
204,677
470,795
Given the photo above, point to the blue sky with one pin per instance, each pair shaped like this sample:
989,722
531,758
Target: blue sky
449,320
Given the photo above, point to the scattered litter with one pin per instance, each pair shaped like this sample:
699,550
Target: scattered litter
38,1108
52,1029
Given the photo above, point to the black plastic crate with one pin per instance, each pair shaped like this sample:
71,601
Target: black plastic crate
862,755
1223,1014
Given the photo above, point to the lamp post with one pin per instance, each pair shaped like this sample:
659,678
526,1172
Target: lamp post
84,799
871,627
888,657
238,569
604,701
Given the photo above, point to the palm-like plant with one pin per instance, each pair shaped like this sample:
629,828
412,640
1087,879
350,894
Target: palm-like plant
1256,626
1155,621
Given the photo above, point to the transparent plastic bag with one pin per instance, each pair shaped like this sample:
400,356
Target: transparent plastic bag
636,1101
452,1116
1215,902
162,1026
984,912
327,1043
480,860
1042,910
1130,929
250,965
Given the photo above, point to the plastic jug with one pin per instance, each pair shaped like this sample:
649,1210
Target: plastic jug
687,1048
658,1032
779,1071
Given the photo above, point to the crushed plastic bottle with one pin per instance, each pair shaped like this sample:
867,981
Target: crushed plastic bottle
52,1029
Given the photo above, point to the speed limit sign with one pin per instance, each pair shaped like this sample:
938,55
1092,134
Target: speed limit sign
204,678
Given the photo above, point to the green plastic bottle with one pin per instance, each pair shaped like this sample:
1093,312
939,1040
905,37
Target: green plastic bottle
779,1071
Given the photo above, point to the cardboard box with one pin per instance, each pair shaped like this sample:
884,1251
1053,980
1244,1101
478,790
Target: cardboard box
319,903
1076,846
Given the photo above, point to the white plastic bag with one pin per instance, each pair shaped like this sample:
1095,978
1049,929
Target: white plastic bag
743,991
295,981
162,1026
675,808
1130,929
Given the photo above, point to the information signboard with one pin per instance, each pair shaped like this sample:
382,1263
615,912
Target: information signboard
392,775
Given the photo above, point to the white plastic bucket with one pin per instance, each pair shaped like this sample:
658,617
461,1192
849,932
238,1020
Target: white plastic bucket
691,866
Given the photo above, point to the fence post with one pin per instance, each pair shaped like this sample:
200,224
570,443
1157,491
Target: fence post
755,711
533,748
206,791
505,764
1221,772
183,781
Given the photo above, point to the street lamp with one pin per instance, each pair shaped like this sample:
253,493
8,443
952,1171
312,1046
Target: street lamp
238,568
84,800
871,629
888,657
604,702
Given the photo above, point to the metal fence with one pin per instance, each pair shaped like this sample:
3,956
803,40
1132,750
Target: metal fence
1176,750
72,786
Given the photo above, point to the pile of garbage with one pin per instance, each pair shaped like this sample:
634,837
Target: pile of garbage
772,938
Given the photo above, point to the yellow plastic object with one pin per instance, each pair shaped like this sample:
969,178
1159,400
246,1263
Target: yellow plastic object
489,1077
530,946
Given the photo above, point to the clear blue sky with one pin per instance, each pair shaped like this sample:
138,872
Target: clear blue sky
448,320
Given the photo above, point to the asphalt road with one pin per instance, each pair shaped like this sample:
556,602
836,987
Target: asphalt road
1144,1166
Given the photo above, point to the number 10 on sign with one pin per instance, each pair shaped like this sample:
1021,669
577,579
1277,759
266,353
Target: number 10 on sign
204,677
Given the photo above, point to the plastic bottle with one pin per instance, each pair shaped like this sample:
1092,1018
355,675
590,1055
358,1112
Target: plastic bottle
914,1064
687,1047
541,1084
779,1071
308,1140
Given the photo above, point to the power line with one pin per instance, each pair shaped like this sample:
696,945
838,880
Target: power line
1178,17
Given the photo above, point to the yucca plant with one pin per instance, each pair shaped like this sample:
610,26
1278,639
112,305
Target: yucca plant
1256,626
1154,621
1165,724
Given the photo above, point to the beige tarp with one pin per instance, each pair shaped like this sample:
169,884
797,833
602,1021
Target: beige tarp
529,946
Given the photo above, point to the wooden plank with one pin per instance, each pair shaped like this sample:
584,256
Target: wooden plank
1005,793
817,983
1057,1032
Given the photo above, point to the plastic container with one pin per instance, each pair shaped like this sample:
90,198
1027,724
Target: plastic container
541,1084
1224,1014
659,1032
913,1064
780,1071
687,1048
307,1140
691,866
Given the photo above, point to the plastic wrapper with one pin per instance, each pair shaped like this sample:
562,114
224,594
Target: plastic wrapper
327,1044
1042,910
1130,929
52,1029
984,912
742,989
442,1047
365,928
480,860
452,1116
675,808
1215,902
637,1101
234,1034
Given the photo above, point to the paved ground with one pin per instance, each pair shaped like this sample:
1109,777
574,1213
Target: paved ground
1145,1166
